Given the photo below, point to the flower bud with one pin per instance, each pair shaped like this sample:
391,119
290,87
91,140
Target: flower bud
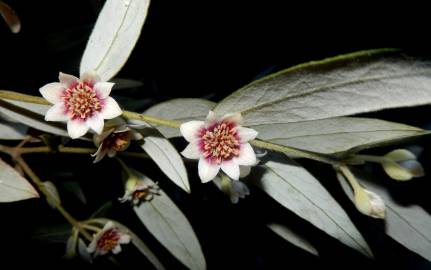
402,165
369,203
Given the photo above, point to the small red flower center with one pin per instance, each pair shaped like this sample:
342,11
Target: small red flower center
118,141
220,142
109,240
141,194
81,101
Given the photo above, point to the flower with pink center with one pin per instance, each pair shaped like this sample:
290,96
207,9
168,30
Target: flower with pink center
219,143
83,103
108,240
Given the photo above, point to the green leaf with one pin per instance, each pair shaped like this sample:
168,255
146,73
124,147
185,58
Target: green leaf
32,115
296,189
410,225
290,236
13,187
164,154
181,109
114,36
344,85
136,241
169,225
12,131
337,135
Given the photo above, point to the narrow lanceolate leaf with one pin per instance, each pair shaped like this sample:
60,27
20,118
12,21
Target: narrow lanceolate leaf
410,225
296,189
169,225
344,85
32,115
337,135
13,187
182,110
292,237
12,131
164,154
114,36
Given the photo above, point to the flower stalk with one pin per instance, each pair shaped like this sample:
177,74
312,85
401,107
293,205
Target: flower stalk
175,124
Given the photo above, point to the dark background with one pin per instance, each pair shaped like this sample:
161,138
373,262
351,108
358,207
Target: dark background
206,49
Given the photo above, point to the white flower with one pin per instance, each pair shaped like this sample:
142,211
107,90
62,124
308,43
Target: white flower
139,191
219,143
115,138
83,103
234,189
107,240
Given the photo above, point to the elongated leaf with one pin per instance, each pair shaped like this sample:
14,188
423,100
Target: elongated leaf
32,115
344,85
13,187
292,237
167,158
337,135
137,242
12,131
409,225
169,225
296,189
181,109
114,36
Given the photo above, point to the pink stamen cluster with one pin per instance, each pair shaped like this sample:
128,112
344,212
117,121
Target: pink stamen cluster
220,142
109,240
81,101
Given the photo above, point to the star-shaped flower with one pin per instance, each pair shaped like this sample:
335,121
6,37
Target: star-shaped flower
83,103
219,143
108,240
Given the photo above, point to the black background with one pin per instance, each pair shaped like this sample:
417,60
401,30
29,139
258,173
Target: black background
207,49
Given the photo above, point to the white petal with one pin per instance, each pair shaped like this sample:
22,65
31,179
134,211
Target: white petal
76,128
96,123
90,76
190,130
124,239
111,153
231,168
117,249
52,92
246,156
104,88
57,113
92,246
232,117
207,171
244,171
191,151
211,116
111,109
108,225
246,134
100,154
67,80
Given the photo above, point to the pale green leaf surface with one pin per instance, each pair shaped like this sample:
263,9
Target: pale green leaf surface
296,189
349,84
169,225
13,187
114,36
